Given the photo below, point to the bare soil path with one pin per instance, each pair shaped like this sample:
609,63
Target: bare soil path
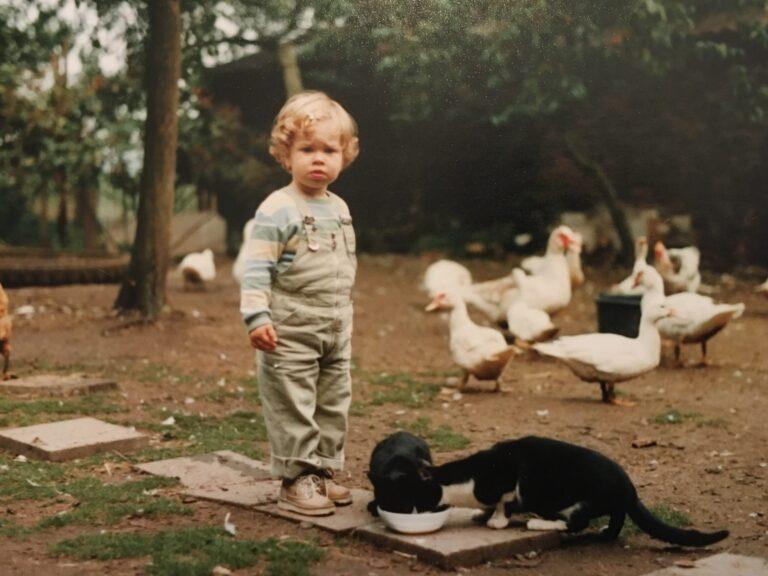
705,428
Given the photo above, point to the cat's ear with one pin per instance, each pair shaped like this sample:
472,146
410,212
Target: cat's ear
425,470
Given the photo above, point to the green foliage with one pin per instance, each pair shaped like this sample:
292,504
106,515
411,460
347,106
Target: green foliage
463,107
441,439
402,389
239,431
29,480
109,503
674,417
194,551
27,412
663,512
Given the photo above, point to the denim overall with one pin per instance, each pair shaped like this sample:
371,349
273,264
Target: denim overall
305,384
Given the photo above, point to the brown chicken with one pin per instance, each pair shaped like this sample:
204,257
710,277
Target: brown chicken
5,333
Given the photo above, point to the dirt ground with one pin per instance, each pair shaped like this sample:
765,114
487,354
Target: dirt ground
711,466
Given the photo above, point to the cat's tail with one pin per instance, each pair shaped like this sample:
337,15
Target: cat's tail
655,528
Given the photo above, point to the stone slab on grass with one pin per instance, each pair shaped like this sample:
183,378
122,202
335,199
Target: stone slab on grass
719,565
346,518
57,385
461,542
247,494
70,439
211,470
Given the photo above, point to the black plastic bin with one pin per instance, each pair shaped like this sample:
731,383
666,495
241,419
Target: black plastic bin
618,314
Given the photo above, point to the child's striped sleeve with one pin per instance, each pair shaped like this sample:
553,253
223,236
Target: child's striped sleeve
276,224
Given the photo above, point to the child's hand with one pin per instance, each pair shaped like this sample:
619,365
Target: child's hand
264,338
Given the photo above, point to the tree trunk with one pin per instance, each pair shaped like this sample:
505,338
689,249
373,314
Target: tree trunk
610,198
286,53
43,229
62,216
85,211
144,288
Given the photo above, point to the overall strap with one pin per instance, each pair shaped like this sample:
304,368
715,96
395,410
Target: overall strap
344,216
307,219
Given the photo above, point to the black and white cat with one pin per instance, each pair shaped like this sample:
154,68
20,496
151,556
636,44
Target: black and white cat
555,480
394,473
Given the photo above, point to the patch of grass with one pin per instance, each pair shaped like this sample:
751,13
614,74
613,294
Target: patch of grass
150,372
238,431
711,422
194,551
675,417
403,389
99,503
441,439
245,389
663,512
28,480
10,529
359,409
25,412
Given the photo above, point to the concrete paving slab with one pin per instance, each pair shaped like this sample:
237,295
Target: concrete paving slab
57,385
346,518
461,542
211,470
719,565
248,494
70,439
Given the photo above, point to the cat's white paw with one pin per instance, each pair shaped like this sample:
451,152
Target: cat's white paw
539,524
497,522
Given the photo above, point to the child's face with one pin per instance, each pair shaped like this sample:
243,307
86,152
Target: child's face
315,159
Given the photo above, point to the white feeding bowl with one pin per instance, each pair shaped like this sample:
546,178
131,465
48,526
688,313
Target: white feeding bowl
416,523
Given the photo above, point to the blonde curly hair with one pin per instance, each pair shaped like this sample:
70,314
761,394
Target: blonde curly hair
298,115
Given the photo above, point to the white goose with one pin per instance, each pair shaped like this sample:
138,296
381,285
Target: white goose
550,288
529,324
763,288
479,351
679,267
611,358
445,276
238,269
532,264
198,268
449,276
628,286
697,318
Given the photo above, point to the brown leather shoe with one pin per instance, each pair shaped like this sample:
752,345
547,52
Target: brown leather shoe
305,496
336,493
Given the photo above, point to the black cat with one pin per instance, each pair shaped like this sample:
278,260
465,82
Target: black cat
555,480
394,473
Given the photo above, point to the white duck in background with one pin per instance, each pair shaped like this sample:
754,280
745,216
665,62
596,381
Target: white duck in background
449,276
445,276
763,288
529,324
532,264
487,296
679,267
238,269
198,268
697,318
550,288
610,358
479,351
628,286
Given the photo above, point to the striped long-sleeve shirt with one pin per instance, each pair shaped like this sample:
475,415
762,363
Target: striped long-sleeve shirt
271,247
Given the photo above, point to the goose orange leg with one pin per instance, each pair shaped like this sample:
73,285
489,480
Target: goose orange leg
678,349
463,381
704,361
609,395
5,347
